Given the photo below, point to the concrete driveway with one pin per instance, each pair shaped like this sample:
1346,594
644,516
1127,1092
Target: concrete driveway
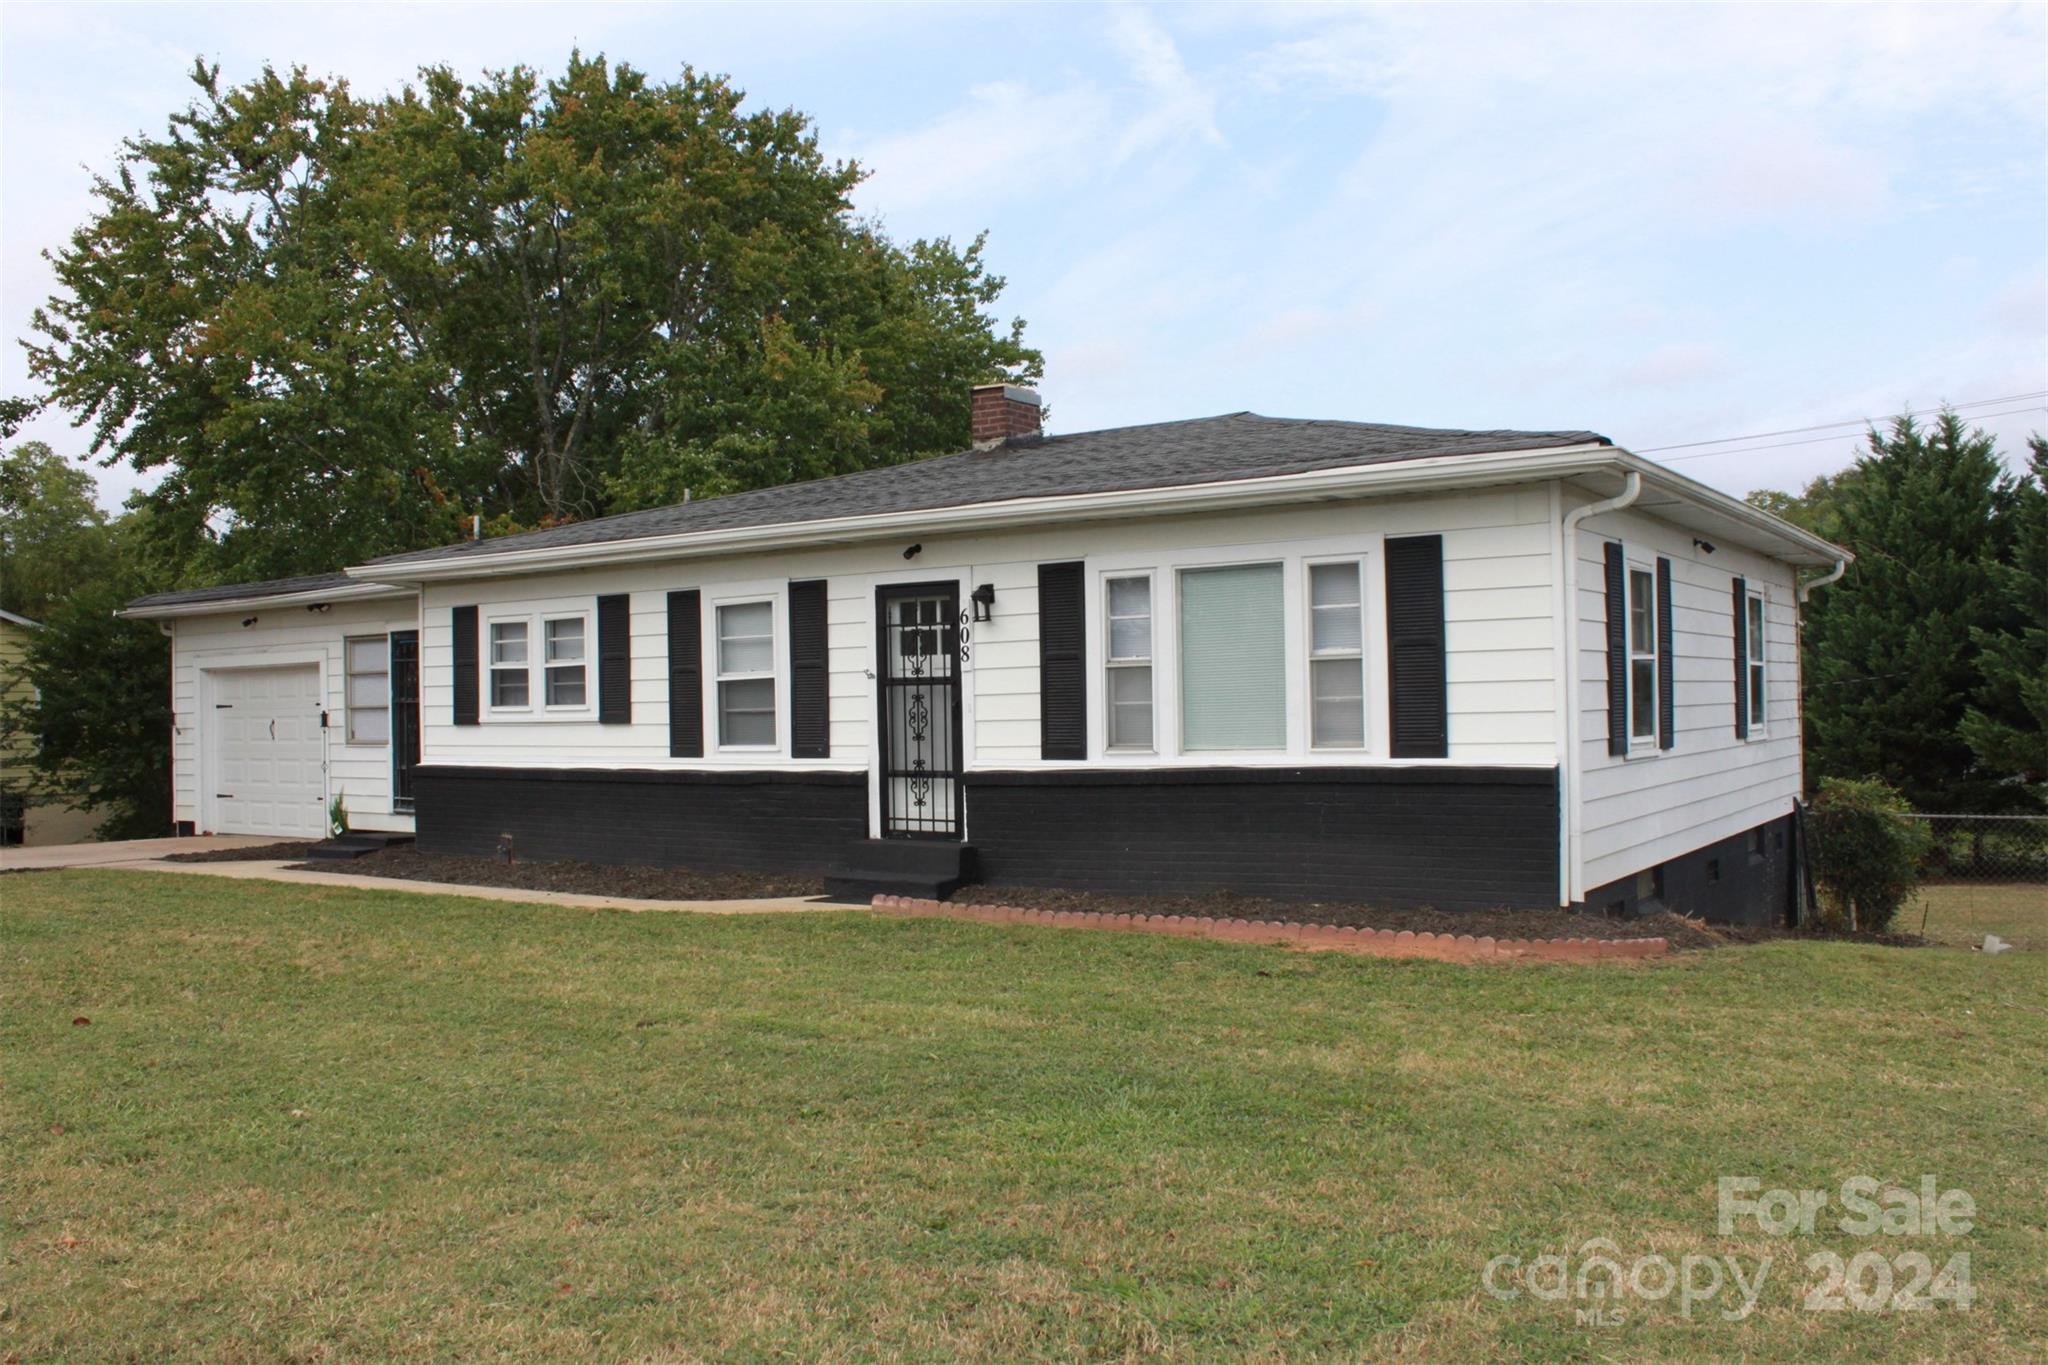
119,851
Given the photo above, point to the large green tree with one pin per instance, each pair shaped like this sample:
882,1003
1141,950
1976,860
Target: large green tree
53,536
1893,659
340,325
2008,728
96,716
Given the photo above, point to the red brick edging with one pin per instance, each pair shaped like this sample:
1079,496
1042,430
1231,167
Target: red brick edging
1327,937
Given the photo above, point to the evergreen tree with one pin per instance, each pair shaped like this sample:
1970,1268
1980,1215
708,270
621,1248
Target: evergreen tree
2008,728
1892,658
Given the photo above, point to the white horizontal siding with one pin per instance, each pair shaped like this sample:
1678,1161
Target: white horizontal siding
1655,805
359,773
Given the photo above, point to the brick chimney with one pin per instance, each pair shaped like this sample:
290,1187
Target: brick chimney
1003,413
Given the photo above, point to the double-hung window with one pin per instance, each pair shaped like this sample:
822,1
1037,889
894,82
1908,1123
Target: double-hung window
1233,664
1129,659
510,685
564,660
1753,671
746,675
368,659
1336,664
1642,654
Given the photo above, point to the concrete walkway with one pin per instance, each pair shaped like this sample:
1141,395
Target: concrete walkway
145,855
120,851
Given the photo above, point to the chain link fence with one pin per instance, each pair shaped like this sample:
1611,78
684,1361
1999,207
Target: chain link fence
1982,874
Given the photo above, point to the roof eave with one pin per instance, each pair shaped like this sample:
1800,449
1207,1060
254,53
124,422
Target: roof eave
220,606
1448,471
1798,545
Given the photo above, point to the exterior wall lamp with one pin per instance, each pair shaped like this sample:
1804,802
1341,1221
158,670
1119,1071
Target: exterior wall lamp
984,599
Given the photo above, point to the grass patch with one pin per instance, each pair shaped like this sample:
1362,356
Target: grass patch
1960,913
314,1122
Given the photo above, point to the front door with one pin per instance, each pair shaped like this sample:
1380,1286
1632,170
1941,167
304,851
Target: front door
405,715
920,687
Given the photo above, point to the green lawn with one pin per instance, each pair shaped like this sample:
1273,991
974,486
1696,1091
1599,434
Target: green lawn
357,1125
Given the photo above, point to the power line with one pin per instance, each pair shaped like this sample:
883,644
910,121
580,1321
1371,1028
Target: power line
1812,440
1850,422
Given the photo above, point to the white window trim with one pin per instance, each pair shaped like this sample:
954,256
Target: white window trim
348,706
1758,643
587,663
1150,662
535,616
1308,639
778,671
1639,746
1164,565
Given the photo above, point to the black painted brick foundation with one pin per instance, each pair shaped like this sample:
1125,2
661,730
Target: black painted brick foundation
749,821
1727,882
1454,838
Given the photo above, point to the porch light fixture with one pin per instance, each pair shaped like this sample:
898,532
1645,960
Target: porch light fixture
984,599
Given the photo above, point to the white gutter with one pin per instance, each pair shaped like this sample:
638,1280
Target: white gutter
218,606
1832,575
1440,472
1448,471
1569,873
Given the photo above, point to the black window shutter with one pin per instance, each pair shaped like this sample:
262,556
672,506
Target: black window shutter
468,683
685,675
1417,695
1741,658
1667,665
1617,653
615,659
810,720
1062,661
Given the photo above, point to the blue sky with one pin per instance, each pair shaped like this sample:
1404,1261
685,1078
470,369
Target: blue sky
1665,224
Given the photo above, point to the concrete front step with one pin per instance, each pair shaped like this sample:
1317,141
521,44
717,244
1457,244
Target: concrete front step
928,868
355,844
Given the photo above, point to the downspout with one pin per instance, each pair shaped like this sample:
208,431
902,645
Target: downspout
1568,628
1832,575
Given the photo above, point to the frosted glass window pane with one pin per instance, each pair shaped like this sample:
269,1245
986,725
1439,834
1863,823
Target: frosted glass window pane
1339,688
746,712
1131,639
369,727
1333,585
508,642
1642,698
368,691
1335,615
564,641
745,638
1130,597
1130,707
565,686
1232,665
368,655
508,687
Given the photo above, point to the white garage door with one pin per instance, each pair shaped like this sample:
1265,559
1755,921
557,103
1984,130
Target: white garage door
266,770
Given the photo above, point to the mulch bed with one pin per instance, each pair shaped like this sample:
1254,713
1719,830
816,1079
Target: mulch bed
1680,932
591,879
261,853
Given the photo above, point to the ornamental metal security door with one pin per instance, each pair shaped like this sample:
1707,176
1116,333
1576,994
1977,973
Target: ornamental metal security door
920,650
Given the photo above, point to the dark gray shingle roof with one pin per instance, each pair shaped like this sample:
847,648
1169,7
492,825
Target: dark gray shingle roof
1239,445
231,592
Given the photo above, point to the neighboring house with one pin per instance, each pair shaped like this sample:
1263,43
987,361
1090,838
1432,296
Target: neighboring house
25,818
1318,659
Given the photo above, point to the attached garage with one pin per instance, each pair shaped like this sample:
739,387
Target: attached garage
266,773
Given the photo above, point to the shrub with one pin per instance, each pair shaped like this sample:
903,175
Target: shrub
1866,856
